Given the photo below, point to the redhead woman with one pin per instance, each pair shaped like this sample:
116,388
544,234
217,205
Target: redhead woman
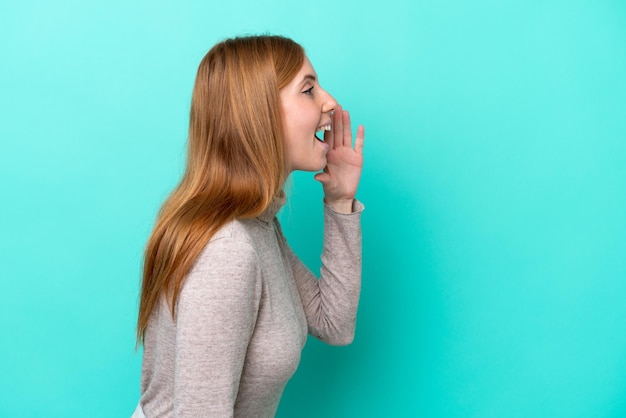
226,305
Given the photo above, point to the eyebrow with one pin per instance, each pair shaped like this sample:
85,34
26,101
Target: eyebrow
309,77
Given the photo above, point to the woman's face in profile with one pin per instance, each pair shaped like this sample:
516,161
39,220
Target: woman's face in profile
306,111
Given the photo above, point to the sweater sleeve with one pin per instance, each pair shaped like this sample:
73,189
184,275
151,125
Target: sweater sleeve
216,312
330,303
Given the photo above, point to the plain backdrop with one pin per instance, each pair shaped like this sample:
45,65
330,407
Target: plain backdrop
494,277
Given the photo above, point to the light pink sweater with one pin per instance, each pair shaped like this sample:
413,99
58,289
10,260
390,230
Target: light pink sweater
243,316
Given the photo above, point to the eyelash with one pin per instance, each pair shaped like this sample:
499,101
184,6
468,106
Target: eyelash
309,91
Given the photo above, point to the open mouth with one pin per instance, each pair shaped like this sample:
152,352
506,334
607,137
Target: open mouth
319,134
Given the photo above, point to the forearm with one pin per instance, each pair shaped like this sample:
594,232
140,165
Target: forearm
331,302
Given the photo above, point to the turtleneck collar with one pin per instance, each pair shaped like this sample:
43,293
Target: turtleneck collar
272,209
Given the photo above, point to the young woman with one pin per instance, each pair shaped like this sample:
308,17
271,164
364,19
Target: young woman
225,304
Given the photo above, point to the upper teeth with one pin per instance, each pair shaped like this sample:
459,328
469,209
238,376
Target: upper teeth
324,128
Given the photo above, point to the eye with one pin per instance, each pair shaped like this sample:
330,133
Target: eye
309,91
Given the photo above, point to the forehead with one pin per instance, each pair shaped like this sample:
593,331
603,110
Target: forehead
306,72
307,68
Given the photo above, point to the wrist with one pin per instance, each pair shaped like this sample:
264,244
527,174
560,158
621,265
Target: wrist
340,205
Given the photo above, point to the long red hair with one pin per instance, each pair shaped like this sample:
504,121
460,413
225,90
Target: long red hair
235,162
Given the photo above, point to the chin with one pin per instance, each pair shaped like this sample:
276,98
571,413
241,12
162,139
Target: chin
314,161
320,166
315,169
312,167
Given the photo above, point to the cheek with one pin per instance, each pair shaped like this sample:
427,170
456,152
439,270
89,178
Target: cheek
300,121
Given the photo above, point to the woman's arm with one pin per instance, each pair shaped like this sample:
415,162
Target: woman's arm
215,318
330,303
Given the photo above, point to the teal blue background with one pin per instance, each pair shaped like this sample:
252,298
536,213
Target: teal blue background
494,277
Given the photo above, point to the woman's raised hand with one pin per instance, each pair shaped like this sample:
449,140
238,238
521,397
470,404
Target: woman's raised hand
340,178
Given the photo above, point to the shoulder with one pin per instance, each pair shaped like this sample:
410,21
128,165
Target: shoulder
227,269
232,244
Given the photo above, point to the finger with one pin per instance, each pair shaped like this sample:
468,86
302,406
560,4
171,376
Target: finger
322,177
337,128
347,130
360,138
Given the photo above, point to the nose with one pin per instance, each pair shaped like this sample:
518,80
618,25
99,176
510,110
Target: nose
329,103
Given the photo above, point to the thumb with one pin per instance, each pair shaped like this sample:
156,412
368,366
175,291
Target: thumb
322,177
